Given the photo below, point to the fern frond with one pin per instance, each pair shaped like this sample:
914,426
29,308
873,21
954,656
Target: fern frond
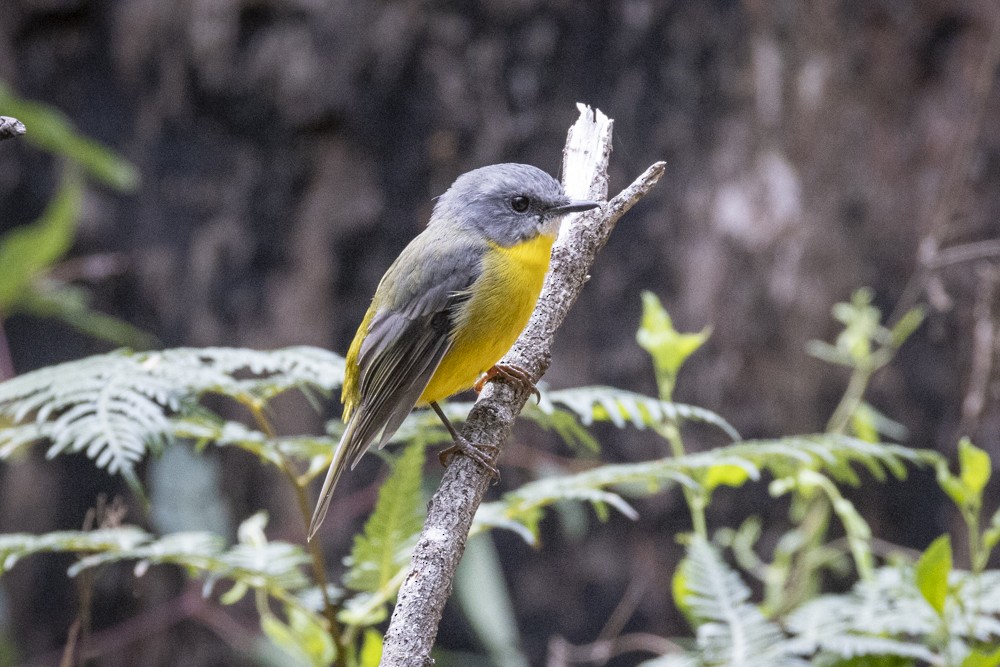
730,630
219,370
15,546
14,440
207,428
672,660
887,616
275,567
732,465
382,550
621,408
824,627
253,563
834,455
115,406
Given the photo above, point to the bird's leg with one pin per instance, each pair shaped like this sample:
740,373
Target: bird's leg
474,452
510,373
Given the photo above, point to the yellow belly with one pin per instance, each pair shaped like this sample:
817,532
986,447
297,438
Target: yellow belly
503,298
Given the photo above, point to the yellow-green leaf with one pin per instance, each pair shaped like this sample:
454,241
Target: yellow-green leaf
727,474
974,467
863,424
51,130
932,573
371,649
982,659
27,251
668,347
907,324
681,591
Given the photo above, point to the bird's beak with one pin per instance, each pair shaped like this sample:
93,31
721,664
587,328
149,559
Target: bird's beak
574,207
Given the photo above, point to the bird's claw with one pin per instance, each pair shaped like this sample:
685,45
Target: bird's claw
474,452
510,373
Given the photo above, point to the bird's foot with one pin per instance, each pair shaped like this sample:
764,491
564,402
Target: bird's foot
477,453
510,373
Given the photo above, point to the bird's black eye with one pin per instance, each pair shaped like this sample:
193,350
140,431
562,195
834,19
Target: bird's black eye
520,203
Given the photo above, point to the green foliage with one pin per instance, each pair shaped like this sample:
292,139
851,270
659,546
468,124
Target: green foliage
382,549
667,347
207,428
607,485
966,491
29,250
568,412
15,546
625,408
864,346
730,630
29,253
889,615
480,589
115,407
304,638
883,620
269,569
932,573
51,131
272,567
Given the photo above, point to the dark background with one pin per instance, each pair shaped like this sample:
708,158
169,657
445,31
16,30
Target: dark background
290,148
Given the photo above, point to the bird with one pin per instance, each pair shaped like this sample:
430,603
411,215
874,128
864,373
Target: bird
449,307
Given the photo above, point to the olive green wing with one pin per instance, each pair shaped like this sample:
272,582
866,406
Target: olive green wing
406,340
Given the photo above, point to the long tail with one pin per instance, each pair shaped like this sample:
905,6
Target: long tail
341,455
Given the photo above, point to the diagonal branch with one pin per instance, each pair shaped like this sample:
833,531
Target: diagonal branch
428,583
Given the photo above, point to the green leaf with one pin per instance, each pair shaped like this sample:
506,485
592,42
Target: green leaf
626,408
784,458
828,353
978,658
481,591
974,466
887,615
50,130
932,573
863,424
15,546
668,348
951,485
371,649
730,629
27,251
383,547
206,427
114,407
906,325
991,536
726,475
71,304
304,638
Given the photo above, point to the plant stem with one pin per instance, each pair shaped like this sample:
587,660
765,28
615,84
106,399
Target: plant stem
315,553
696,500
851,399
978,555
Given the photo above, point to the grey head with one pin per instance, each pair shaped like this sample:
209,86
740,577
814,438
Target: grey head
506,203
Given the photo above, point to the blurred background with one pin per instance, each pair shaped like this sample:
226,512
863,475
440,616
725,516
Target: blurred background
287,150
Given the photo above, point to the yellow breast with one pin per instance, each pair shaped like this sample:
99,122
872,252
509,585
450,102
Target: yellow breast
501,302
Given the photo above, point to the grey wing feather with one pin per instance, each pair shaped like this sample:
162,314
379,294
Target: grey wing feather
398,374
395,377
